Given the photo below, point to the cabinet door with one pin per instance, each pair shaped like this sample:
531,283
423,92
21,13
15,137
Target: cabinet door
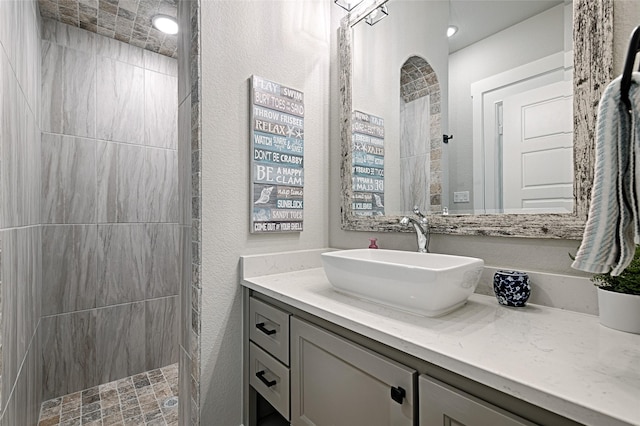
335,382
443,405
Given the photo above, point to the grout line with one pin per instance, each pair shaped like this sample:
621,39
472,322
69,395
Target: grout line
130,380
112,306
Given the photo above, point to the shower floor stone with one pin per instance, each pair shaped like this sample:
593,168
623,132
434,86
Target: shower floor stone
149,398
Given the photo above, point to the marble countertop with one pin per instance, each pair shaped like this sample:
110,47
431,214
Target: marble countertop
560,360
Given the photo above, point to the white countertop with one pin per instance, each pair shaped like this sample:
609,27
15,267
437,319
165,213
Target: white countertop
560,360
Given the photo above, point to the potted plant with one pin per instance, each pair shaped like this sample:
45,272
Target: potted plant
619,297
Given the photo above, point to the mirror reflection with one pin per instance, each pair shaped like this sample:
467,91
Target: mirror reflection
501,86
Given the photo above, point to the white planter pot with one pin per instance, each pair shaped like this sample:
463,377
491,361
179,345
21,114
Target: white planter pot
619,311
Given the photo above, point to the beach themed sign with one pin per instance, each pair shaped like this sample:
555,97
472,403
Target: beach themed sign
277,160
367,168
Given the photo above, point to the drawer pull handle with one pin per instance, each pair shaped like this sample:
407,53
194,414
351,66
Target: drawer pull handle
398,394
267,383
261,327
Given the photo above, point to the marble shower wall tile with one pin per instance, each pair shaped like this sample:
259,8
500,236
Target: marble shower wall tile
68,179
19,148
32,174
20,299
161,185
161,319
119,51
160,63
27,54
69,353
68,36
69,80
184,50
20,274
25,400
120,109
160,109
413,181
24,404
120,341
69,265
27,287
12,106
121,183
122,271
8,26
415,128
10,364
34,378
162,264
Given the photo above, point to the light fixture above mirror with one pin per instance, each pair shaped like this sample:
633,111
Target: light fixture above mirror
348,5
377,15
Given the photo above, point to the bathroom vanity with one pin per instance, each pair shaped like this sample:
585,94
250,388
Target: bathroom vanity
315,356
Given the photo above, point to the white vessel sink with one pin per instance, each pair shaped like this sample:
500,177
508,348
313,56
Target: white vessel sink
422,283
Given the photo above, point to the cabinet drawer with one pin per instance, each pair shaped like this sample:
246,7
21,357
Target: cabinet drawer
269,378
269,329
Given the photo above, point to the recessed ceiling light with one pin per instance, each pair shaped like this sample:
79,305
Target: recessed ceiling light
166,24
451,30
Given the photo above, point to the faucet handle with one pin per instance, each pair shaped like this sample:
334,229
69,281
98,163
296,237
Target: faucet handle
416,210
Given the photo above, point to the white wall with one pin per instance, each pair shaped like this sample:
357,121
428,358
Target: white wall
535,38
411,29
283,41
626,16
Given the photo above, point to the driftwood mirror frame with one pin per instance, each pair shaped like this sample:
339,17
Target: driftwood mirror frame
593,69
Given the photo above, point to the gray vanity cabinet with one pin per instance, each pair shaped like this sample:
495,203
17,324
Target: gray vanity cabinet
336,382
444,405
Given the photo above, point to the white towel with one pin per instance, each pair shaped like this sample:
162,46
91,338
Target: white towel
613,226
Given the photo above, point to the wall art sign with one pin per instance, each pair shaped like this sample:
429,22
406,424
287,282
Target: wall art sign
368,164
277,161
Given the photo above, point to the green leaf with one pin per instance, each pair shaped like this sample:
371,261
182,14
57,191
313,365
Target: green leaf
627,282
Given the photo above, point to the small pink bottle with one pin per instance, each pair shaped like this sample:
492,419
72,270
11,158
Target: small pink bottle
373,244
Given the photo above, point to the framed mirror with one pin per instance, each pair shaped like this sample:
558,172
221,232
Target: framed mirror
592,38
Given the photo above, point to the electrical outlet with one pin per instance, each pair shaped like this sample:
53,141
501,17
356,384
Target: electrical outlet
461,197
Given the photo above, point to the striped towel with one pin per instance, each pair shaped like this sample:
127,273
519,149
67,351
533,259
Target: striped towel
613,226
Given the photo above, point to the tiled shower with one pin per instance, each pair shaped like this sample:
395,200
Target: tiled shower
89,232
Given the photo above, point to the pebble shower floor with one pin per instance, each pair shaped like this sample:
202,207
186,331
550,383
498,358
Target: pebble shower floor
149,398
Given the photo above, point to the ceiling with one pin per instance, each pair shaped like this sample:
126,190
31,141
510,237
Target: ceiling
478,19
126,20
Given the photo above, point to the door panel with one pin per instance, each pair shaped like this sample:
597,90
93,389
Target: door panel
538,150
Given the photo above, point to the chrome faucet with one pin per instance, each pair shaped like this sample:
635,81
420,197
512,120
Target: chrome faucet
422,229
